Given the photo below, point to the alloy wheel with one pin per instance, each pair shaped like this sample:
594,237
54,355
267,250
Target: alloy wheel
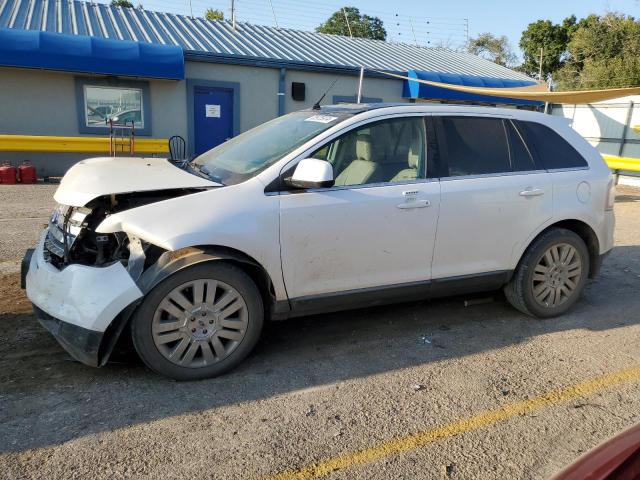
556,275
199,323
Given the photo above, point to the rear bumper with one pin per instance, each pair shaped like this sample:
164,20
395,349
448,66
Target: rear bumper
605,241
597,265
608,228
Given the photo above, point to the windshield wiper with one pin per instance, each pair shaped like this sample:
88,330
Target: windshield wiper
203,170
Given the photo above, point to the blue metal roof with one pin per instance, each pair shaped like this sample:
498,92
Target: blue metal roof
217,41
73,53
421,90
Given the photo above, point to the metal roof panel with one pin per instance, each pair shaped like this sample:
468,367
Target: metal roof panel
247,41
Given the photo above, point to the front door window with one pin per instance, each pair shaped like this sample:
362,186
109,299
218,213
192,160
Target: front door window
387,151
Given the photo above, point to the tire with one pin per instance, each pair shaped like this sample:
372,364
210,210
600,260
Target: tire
534,291
198,323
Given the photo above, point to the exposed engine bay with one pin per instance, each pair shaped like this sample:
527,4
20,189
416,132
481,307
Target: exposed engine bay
72,236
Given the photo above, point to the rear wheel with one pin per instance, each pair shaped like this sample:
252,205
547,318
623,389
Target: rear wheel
199,323
551,274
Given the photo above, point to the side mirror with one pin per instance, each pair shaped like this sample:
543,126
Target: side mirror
312,173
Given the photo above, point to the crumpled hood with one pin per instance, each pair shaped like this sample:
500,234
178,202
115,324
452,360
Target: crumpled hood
96,177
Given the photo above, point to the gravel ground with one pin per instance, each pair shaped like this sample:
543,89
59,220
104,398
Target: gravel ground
25,209
321,386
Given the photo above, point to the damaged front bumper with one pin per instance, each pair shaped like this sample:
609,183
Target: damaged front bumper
78,303
81,343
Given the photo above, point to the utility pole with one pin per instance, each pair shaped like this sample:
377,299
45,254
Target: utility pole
233,14
360,84
540,71
191,8
346,19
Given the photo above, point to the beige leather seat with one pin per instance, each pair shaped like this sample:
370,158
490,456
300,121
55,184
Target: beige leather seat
413,160
361,169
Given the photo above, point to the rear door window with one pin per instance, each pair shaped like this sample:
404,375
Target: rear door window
552,150
473,146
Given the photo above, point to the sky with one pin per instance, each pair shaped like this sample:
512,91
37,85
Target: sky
426,22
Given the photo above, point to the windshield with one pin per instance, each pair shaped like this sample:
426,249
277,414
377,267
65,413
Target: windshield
246,155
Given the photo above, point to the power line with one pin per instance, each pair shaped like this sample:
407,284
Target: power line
427,31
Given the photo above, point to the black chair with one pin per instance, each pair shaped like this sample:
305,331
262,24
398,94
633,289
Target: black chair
177,149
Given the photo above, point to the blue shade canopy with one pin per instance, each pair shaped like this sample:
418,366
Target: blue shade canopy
75,53
421,90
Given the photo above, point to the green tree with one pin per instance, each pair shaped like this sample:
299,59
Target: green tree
121,3
604,52
213,14
493,48
360,25
552,38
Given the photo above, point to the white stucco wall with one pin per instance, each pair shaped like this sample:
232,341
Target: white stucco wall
39,102
347,85
258,89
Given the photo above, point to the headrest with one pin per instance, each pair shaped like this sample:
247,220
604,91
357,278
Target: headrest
364,147
415,152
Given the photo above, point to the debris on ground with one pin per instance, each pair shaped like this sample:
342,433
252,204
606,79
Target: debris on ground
449,470
478,301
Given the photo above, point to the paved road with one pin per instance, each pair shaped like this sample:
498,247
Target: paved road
359,393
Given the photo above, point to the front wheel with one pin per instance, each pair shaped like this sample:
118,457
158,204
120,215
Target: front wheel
199,322
551,274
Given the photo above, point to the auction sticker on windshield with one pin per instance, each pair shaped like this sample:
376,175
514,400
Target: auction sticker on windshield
321,119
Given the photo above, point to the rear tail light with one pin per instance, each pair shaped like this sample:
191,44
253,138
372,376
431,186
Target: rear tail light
611,195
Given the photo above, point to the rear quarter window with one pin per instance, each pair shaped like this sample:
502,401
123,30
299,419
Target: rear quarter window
521,158
552,150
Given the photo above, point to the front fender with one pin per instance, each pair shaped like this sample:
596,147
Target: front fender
237,217
174,261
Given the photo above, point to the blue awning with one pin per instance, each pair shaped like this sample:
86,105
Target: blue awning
420,90
74,53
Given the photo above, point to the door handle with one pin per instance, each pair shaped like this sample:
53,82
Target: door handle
531,192
414,204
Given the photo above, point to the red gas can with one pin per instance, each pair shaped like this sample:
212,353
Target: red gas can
27,172
8,173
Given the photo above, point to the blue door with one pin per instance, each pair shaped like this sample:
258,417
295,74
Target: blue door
213,112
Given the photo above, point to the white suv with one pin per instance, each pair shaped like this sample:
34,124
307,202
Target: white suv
318,210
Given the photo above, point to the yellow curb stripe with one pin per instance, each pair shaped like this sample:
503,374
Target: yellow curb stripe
482,419
622,163
39,143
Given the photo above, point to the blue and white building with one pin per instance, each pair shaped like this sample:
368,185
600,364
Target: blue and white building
66,65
